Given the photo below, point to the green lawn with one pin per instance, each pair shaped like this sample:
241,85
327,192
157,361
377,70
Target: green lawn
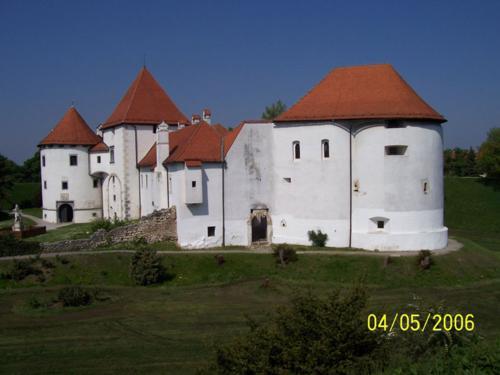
67,232
172,328
9,222
37,212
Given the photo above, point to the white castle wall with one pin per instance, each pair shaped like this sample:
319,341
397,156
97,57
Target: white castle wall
249,180
318,195
392,187
81,195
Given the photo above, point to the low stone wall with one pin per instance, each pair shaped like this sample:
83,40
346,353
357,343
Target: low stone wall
158,226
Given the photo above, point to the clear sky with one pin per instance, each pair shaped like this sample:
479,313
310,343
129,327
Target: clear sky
236,57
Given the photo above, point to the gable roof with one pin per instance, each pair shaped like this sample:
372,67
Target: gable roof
149,160
220,129
100,147
145,102
71,130
361,92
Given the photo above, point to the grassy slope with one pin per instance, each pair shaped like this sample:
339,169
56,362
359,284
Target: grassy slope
171,328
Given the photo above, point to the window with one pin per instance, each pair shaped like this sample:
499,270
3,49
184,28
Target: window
98,159
395,150
112,155
193,184
287,179
73,160
394,124
210,231
296,150
154,129
96,183
45,184
356,185
43,161
325,149
94,214
65,185
380,224
114,198
425,186
152,203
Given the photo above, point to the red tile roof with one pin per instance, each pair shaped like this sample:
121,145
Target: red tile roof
361,92
100,147
192,144
219,128
71,130
145,102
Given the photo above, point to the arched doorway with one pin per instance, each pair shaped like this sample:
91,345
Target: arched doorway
259,225
65,213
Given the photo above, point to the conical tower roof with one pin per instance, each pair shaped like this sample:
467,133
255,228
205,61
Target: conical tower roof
71,130
145,102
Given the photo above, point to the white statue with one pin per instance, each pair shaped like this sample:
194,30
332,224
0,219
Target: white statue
18,219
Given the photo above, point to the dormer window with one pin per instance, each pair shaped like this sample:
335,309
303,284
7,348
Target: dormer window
296,150
325,149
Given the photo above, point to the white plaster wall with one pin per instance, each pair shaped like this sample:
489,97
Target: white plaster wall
102,167
193,219
318,195
123,138
84,198
249,180
193,195
391,187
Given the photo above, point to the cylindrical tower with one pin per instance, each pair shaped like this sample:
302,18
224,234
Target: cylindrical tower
69,192
398,186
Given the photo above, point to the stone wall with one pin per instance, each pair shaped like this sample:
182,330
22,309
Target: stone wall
159,226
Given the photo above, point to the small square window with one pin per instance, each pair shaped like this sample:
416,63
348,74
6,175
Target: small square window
96,183
73,160
94,214
211,231
98,159
193,184
395,150
65,185
380,224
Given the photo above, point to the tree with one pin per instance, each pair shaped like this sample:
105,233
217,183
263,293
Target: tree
30,171
311,336
6,177
146,268
489,154
274,110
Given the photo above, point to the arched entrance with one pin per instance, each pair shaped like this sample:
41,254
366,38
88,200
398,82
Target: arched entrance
65,213
260,225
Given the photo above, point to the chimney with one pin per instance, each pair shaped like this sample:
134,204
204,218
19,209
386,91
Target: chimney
162,145
207,116
195,119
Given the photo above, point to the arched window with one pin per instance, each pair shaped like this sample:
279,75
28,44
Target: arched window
325,149
296,150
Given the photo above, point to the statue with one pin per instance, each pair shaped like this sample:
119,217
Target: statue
18,219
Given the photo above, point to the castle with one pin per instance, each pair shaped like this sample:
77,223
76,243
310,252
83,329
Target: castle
359,157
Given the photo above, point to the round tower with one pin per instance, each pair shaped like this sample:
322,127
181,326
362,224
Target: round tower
69,192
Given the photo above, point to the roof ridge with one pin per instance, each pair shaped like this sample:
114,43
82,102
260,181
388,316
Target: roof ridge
132,97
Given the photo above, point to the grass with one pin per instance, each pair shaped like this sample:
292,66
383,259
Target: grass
8,223
172,328
34,211
67,232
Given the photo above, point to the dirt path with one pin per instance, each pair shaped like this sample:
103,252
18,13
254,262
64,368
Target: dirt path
453,245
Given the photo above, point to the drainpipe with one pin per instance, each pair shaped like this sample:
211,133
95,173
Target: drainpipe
350,185
138,170
223,163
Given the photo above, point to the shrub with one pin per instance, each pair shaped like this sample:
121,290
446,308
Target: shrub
11,246
318,238
139,241
146,268
284,254
62,260
21,269
74,296
311,336
107,225
424,259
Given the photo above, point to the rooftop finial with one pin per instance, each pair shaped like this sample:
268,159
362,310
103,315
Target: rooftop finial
144,61
72,104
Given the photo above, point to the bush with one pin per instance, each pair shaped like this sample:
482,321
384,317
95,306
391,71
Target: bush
284,254
318,238
311,336
146,268
11,246
21,269
424,259
74,296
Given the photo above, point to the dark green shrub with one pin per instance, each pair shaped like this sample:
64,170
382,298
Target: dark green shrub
35,303
139,241
62,260
424,259
107,225
284,254
310,336
21,269
11,246
318,238
146,268
74,296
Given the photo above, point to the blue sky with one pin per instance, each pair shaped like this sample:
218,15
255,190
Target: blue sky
236,57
